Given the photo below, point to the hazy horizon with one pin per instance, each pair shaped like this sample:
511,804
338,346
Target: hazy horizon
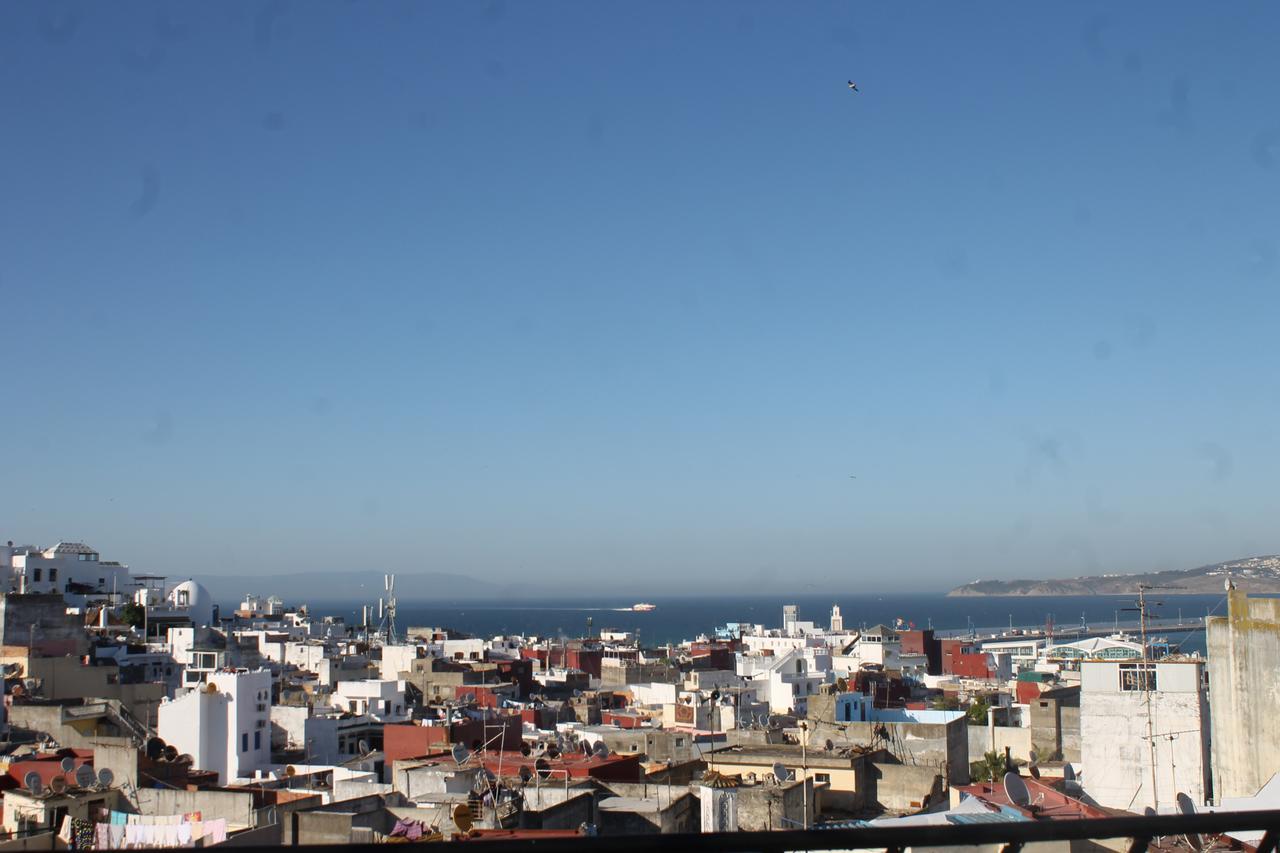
642,295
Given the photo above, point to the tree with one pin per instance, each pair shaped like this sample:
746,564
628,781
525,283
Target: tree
989,769
977,713
133,614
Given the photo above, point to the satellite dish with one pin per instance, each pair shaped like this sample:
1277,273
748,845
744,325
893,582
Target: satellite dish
460,753
553,752
462,817
1035,771
363,746
586,748
524,749
577,694
170,753
106,777
1068,773
58,784
1186,806
211,688
525,773
780,771
67,764
186,759
543,767
291,771
715,695
830,745
154,748
1016,790
84,776
33,783
1148,812
600,750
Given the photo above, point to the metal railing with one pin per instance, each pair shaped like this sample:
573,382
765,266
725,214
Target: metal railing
1010,836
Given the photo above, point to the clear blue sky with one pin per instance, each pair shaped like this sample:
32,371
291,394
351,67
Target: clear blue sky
536,290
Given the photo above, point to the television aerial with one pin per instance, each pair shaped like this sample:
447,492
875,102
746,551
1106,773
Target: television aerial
780,772
1016,790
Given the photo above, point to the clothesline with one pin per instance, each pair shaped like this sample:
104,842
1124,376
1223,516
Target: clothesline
123,831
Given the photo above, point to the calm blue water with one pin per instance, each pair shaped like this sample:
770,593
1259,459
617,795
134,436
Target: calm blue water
679,619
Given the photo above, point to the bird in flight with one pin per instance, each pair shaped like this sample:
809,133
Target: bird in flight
853,87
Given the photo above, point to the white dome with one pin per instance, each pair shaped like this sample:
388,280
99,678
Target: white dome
196,599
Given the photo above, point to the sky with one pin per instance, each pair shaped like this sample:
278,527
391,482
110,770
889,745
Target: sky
639,295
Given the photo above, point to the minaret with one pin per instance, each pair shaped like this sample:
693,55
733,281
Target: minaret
837,621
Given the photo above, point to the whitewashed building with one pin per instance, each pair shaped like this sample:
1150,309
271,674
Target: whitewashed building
1136,716
224,726
380,699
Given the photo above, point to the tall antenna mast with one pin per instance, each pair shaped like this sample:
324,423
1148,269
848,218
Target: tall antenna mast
1148,675
390,582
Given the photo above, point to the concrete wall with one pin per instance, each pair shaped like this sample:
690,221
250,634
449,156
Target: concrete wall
1245,685
1117,755
41,841
235,806
984,739
944,748
768,807
902,788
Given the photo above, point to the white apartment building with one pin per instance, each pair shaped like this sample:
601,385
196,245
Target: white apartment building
71,568
1135,716
380,699
224,726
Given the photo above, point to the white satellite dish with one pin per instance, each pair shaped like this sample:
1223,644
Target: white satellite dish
33,783
1016,790
780,771
460,753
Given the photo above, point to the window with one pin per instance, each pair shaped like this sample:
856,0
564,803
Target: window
244,742
38,572
53,574
1044,704
1137,676
257,740
822,777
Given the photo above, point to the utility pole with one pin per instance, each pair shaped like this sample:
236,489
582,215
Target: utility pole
804,769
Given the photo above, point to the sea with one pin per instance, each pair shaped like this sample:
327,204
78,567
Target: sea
676,619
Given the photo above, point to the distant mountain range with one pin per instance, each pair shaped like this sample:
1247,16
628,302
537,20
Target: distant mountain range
1253,574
